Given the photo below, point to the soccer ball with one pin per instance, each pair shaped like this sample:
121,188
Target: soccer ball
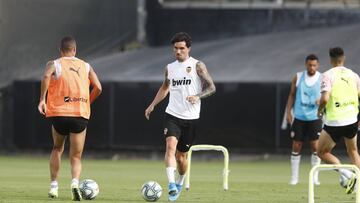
89,189
151,191
343,181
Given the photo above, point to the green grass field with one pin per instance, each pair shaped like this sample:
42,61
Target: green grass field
25,179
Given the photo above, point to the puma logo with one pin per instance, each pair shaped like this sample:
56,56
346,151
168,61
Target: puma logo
76,71
345,80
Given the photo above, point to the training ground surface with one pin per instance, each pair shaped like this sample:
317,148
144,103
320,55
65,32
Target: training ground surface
25,179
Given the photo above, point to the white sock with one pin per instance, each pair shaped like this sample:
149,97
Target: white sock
75,181
345,172
181,179
170,172
54,184
295,163
315,160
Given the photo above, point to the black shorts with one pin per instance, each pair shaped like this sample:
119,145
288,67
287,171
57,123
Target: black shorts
65,125
337,132
183,130
300,130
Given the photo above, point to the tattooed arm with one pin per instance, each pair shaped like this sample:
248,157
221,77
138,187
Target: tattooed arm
208,84
50,69
160,95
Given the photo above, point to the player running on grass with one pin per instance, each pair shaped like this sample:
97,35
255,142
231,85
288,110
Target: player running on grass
340,90
65,100
188,81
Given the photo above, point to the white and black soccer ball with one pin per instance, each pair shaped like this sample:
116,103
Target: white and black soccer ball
89,189
343,180
151,191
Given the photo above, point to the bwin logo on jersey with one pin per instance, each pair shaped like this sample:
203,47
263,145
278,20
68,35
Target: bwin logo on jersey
181,82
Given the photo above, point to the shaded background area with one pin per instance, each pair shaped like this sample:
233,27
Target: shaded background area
233,21
238,117
252,54
30,31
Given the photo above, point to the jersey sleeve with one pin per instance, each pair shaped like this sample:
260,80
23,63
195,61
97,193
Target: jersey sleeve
326,82
87,66
57,65
357,79
298,77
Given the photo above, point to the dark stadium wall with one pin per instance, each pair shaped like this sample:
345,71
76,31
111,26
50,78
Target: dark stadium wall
30,31
211,23
6,119
245,117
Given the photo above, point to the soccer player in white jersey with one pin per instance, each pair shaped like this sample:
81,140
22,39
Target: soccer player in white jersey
188,81
304,100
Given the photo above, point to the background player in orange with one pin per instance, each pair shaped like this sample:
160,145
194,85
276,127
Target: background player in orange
65,99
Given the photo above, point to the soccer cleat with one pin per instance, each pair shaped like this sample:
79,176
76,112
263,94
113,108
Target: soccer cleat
293,181
53,193
316,178
174,197
351,185
75,192
316,182
179,187
173,192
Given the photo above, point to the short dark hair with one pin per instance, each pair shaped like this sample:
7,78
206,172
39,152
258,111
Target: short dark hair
67,43
336,52
311,57
180,37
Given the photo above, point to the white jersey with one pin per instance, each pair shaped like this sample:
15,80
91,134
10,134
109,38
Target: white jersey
309,80
184,81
